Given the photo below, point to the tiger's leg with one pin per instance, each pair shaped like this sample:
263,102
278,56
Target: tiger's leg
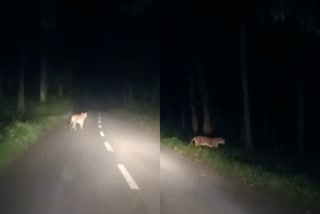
81,124
74,126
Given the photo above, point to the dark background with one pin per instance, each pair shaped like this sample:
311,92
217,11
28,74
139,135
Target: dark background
93,46
276,53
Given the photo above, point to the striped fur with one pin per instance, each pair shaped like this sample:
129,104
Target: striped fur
207,141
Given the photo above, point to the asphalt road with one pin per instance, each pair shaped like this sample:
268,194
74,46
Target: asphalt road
114,166
75,172
188,187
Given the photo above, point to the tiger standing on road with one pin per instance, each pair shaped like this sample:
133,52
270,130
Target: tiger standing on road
77,118
207,141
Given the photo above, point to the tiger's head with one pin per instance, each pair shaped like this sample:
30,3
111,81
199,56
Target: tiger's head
221,141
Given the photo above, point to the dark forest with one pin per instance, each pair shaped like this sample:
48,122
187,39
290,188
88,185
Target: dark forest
247,73
104,105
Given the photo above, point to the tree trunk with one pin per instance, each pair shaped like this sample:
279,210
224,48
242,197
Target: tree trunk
246,107
43,80
60,90
183,122
300,99
9,84
21,102
265,131
156,96
301,81
1,85
124,94
129,91
182,116
207,122
70,83
194,115
130,94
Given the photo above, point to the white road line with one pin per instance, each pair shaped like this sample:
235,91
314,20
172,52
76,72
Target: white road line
101,133
108,146
99,121
127,176
100,126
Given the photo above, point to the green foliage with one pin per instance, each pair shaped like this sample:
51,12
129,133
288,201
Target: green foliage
53,106
19,132
292,187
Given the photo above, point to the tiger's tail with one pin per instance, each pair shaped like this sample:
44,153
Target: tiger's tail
191,142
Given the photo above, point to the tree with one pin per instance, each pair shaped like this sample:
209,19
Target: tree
48,25
194,115
43,78
156,91
182,113
207,119
130,92
304,17
127,89
60,83
1,85
21,100
60,90
245,91
308,28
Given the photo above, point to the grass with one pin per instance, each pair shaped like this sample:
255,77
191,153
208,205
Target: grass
20,131
288,186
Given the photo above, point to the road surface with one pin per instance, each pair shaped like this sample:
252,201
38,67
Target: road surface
114,166
188,187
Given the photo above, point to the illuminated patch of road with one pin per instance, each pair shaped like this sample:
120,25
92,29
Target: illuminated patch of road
101,133
132,184
108,146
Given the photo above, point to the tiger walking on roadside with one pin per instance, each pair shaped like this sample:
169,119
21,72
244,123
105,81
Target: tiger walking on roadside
207,141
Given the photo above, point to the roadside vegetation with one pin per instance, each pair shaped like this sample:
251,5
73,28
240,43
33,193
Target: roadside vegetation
19,131
255,170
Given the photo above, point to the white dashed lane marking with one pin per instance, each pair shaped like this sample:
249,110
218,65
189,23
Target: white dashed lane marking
132,184
108,146
101,133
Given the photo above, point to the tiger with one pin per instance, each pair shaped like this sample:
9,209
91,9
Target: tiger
77,118
207,141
